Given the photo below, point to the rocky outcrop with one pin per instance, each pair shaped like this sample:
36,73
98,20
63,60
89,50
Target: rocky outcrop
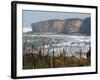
48,26
67,26
86,26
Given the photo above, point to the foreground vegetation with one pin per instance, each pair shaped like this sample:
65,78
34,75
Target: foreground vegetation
36,61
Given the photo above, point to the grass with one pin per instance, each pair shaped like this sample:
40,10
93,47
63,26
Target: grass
37,61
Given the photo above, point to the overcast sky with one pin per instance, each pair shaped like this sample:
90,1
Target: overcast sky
30,17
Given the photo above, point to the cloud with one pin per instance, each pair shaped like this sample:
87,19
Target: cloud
27,29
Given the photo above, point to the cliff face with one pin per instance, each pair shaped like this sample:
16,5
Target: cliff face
48,26
86,26
66,26
72,25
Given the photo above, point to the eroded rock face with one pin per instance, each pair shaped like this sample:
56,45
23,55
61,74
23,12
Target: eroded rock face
67,26
86,26
48,26
72,25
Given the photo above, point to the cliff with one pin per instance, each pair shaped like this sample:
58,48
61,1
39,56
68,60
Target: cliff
67,26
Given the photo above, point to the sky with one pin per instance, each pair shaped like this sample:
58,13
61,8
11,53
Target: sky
31,16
